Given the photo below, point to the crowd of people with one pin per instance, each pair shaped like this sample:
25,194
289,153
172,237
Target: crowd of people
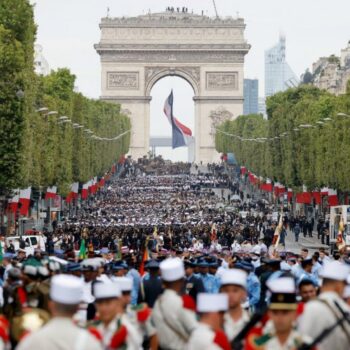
174,256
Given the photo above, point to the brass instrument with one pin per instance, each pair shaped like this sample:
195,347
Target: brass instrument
30,321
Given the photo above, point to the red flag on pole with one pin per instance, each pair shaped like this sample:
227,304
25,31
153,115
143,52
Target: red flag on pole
13,202
24,200
51,193
332,197
85,191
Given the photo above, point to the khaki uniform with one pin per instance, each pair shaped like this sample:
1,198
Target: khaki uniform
231,327
128,336
140,318
322,313
174,322
269,342
60,334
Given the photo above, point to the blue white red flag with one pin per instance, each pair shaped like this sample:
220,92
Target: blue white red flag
181,134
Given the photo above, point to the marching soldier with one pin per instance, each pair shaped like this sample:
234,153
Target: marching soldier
138,315
60,332
328,309
209,333
174,316
112,328
283,314
234,284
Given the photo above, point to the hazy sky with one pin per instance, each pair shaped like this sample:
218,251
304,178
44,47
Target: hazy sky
68,29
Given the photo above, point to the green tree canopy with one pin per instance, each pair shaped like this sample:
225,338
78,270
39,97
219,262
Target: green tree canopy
305,140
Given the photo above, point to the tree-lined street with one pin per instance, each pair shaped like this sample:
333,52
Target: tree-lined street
107,245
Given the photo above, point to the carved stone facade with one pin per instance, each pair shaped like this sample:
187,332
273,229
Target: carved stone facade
207,52
122,80
222,81
172,56
218,116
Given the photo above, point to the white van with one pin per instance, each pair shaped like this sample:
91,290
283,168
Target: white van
31,242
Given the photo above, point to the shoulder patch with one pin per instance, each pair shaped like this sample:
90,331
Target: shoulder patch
188,303
119,338
143,314
221,340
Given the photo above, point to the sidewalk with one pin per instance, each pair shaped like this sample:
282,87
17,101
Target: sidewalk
313,244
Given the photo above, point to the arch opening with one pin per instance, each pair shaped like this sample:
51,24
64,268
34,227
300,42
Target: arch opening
184,111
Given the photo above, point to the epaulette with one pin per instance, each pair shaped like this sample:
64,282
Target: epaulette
263,339
93,323
119,337
188,302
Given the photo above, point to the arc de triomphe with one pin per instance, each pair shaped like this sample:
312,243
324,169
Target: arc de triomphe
209,53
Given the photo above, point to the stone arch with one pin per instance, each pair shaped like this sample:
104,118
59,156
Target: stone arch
154,74
208,53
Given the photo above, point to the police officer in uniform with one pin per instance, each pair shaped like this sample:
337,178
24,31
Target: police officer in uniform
151,284
193,284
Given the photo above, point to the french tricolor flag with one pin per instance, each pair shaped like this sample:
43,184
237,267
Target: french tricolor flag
181,134
51,192
73,194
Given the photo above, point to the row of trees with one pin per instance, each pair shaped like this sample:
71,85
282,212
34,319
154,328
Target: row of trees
36,148
305,141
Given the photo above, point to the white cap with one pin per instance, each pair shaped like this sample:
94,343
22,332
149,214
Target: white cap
91,264
234,276
107,290
172,269
281,285
124,283
66,289
207,302
335,270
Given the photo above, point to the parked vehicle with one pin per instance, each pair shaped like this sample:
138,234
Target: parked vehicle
29,242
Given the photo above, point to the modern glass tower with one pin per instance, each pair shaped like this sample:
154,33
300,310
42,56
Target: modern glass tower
278,75
251,96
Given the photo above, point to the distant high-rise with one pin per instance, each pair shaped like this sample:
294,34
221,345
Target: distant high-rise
251,96
278,75
262,107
